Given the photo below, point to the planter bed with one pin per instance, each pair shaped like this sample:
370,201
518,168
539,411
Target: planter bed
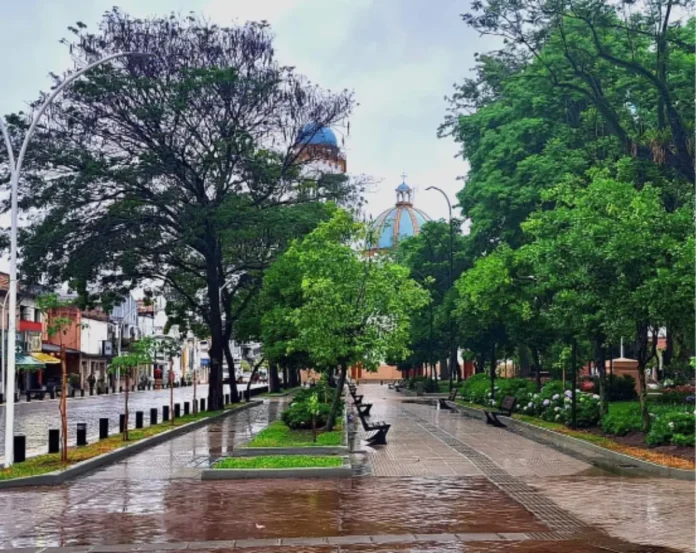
279,439
44,470
279,466
580,447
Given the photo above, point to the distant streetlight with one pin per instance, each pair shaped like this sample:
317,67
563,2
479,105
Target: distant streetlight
453,351
15,168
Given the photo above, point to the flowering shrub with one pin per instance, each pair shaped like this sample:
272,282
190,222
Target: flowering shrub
550,404
675,428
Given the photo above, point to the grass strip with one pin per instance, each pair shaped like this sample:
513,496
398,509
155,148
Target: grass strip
278,434
644,454
42,464
278,462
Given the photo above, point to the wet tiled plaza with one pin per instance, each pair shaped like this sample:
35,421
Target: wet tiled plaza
444,483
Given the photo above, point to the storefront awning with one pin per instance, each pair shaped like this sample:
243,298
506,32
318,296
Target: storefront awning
45,358
27,362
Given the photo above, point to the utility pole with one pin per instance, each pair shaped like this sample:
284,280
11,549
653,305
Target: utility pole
453,348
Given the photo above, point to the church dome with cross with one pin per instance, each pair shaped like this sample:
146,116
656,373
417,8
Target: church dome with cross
398,222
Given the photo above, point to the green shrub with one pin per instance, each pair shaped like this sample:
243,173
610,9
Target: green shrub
683,440
475,389
429,385
621,423
324,393
659,434
666,426
619,388
298,415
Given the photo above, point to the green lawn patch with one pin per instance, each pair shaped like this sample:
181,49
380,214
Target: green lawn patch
278,434
278,462
42,464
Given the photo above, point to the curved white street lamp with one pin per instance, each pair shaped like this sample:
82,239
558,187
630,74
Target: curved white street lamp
15,168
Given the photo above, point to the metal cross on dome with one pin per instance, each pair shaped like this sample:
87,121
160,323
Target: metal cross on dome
403,177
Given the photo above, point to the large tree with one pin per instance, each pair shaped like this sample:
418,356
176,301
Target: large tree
140,171
353,310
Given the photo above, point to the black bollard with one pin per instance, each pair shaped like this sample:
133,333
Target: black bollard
20,448
28,397
153,416
138,419
2,398
82,392
177,410
52,393
120,389
122,423
165,413
81,433
187,407
53,440
16,397
202,405
227,399
103,429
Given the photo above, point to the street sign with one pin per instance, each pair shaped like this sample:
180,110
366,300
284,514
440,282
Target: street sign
107,348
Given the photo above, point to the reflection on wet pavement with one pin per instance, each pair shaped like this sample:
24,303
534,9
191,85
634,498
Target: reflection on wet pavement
446,485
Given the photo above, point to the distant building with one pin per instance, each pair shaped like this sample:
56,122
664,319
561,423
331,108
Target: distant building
398,222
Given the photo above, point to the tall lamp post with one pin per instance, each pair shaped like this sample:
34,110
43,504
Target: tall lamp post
15,168
453,351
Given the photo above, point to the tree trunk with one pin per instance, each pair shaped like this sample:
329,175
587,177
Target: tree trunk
336,399
600,363
669,350
231,369
286,377
63,405
492,369
444,369
537,367
293,374
273,379
254,371
525,364
125,425
171,392
643,357
573,396
215,396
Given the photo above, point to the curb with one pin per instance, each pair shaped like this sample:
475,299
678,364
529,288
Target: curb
59,477
309,450
344,471
601,457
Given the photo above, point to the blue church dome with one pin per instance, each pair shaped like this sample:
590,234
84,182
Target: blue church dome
401,221
322,136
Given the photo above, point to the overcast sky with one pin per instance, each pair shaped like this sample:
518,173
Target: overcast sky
400,57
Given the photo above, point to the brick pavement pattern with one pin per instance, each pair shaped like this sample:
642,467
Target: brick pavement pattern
444,483
33,419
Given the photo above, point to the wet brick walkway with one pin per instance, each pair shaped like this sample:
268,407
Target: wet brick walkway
444,483
33,419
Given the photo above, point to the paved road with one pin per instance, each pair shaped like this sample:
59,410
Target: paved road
444,483
35,418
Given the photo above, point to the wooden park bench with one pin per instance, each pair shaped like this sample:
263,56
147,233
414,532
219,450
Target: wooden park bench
506,408
364,409
452,396
380,430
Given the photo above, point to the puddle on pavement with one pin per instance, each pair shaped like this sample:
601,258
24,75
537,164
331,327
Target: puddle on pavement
188,510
